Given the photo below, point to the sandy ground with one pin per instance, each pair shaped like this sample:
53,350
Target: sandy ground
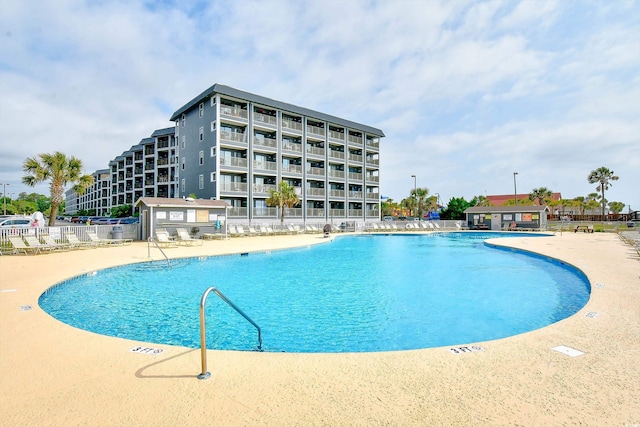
52,374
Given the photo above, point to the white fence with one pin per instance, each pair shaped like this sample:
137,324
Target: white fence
129,231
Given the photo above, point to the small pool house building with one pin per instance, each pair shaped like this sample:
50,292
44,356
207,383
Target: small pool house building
200,217
532,217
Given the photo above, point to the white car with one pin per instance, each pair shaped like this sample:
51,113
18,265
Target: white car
15,222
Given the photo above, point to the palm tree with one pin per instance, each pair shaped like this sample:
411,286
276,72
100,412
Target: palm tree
60,170
284,196
541,195
602,176
481,201
420,197
580,202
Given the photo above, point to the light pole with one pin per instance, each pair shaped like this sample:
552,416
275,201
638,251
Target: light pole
515,191
437,201
415,190
4,196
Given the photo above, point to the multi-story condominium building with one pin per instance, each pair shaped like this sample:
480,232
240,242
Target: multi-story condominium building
148,169
95,198
236,146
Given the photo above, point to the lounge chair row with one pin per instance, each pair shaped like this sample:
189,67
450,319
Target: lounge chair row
163,239
44,243
267,230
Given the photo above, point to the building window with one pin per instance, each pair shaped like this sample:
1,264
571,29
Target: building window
201,109
182,185
213,126
183,141
212,178
213,100
213,152
184,119
183,163
201,158
177,127
201,134
201,181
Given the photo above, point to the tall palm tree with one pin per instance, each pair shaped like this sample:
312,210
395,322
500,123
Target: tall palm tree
284,196
602,176
60,170
580,203
541,194
420,197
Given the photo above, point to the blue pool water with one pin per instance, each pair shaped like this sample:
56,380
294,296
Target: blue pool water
355,294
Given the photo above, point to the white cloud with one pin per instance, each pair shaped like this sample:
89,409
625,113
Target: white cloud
467,92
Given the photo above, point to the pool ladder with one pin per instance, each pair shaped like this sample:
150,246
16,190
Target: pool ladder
203,328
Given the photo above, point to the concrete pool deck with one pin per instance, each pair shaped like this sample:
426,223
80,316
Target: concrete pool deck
52,374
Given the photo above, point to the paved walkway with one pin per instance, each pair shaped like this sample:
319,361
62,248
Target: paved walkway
52,374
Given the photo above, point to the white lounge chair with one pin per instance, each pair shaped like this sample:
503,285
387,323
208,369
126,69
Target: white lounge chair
33,242
18,246
163,239
185,239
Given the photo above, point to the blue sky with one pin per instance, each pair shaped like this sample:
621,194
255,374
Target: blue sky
467,92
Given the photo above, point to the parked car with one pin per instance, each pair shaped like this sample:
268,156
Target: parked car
15,222
130,220
388,218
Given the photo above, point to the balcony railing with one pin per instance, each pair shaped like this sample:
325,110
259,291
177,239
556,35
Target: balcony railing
164,161
335,154
355,212
315,212
264,188
292,168
149,166
315,130
373,196
235,187
235,112
293,212
355,158
339,136
372,161
318,151
355,194
336,212
374,143
357,140
265,142
238,162
265,212
373,178
315,192
315,171
146,182
290,124
292,146
336,193
162,179
233,136
355,176
265,165
373,213
237,212
266,119
137,185
333,173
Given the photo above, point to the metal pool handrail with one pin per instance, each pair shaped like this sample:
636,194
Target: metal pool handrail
151,239
203,328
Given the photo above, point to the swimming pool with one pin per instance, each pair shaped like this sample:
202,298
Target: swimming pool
355,294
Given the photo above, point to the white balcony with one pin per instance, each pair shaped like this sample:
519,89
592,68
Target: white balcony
336,193
318,151
260,118
355,140
333,173
290,124
292,168
236,137
234,187
237,162
315,130
264,188
355,194
315,213
355,176
318,192
237,212
355,212
355,158
315,171
235,112
270,212
265,165
260,141
292,146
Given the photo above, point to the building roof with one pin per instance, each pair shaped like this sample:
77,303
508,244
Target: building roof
500,200
236,93
163,132
506,209
180,203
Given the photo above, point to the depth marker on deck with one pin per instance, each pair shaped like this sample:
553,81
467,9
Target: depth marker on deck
568,351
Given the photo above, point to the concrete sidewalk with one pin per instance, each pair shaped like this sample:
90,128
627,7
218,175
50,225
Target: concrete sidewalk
52,374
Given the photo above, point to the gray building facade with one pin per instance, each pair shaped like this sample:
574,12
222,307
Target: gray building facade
236,146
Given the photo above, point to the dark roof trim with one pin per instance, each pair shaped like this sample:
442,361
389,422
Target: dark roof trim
236,93
164,132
